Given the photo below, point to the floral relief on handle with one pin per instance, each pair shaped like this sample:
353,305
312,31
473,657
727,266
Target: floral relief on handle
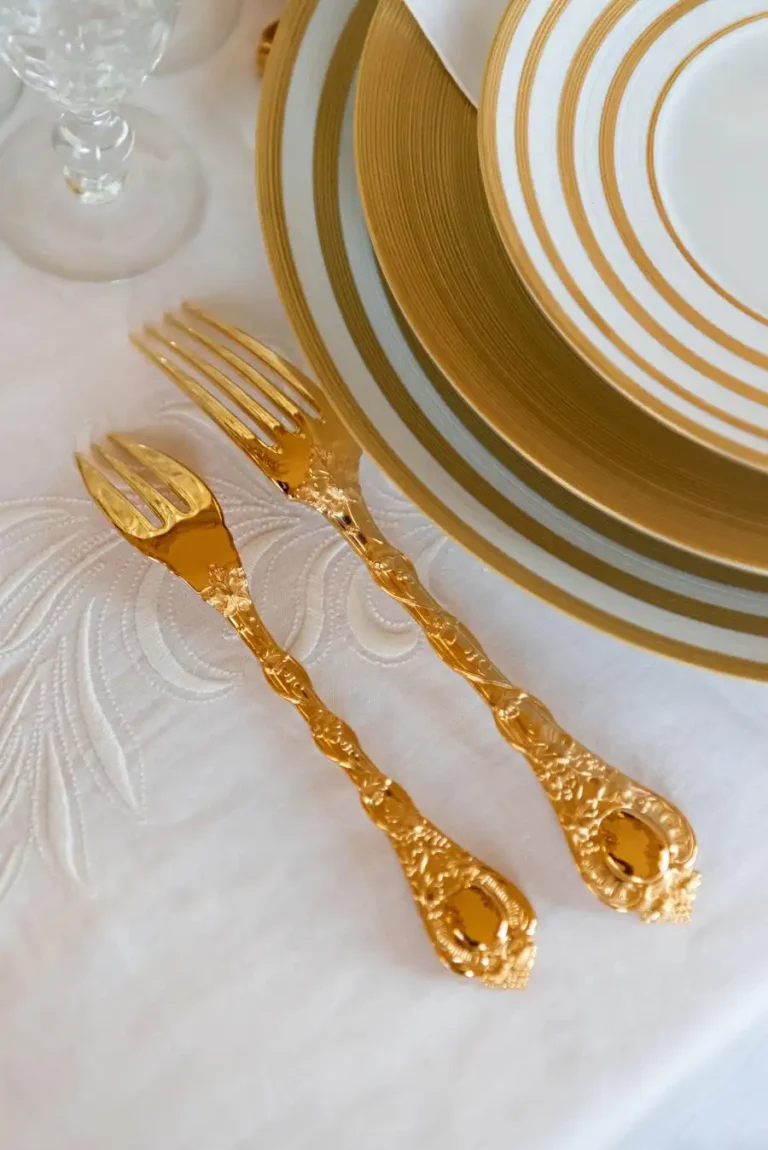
634,849
480,925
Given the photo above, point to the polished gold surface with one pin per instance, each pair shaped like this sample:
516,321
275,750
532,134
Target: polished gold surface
569,329
422,189
266,40
633,848
311,458
478,922
269,175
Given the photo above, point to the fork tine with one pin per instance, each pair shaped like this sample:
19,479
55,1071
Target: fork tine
256,378
260,416
297,379
221,415
117,508
180,479
162,507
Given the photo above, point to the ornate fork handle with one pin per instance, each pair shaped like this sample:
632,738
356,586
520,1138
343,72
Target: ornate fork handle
634,848
480,924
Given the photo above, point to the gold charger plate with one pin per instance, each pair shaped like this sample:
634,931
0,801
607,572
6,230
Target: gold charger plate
315,234
435,239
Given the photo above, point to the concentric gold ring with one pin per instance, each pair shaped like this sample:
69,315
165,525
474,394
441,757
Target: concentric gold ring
565,324
616,92
276,231
583,59
650,159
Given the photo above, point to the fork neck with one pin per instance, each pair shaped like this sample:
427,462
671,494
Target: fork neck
345,508
228,594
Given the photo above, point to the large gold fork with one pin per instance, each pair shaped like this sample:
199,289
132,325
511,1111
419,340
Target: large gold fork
479,923
634,849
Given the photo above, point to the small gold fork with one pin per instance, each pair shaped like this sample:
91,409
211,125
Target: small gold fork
478,922
634,849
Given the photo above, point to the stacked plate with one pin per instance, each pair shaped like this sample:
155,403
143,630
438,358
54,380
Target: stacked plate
545,319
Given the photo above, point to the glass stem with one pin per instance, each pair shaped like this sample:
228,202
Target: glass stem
95,147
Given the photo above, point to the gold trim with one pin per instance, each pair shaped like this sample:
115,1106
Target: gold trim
525,266
650,158
269,174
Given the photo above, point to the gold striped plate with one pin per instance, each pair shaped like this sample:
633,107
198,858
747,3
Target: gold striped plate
621,146
406,416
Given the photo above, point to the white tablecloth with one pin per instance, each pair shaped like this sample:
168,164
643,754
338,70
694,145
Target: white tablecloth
204,945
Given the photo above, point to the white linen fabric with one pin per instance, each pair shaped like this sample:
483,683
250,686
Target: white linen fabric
462,35
204,944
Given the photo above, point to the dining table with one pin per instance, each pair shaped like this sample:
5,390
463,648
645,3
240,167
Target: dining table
204,945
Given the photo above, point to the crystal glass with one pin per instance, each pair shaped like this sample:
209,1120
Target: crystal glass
104,195
202,26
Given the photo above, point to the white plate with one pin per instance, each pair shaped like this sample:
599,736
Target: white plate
625,153
356,345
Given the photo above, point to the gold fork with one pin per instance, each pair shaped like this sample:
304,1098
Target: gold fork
479,923
634,849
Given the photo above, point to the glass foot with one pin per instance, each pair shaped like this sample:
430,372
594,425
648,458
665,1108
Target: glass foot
201,27
49,226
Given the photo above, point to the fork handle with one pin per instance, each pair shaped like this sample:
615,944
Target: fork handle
634,849
480,925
